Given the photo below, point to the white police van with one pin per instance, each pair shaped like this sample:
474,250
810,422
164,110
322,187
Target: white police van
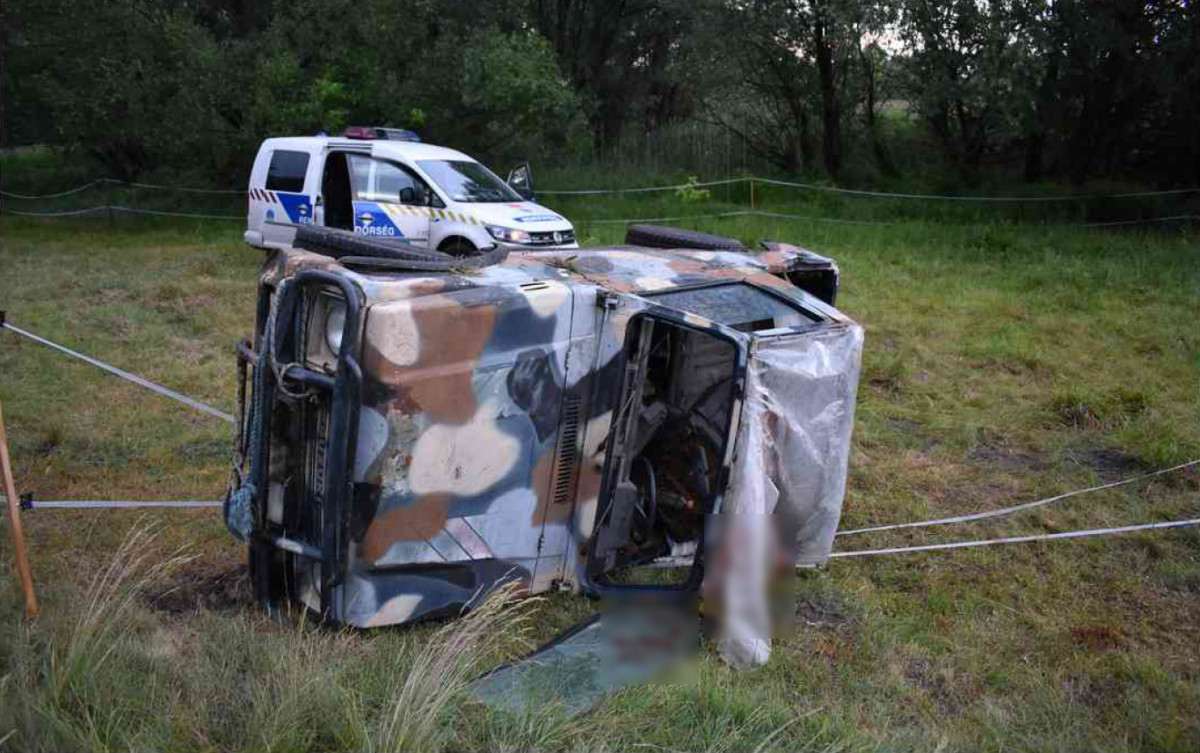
383,182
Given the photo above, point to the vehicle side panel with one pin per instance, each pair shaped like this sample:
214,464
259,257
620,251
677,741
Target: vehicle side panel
458,432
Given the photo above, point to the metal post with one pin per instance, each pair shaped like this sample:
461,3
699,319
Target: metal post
14,519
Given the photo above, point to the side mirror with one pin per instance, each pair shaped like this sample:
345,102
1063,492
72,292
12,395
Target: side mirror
521,181
407,195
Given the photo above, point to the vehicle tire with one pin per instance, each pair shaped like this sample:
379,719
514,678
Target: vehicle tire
658,236
338,243
458,247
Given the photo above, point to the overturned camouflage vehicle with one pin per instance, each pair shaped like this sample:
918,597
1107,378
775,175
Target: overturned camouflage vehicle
415,428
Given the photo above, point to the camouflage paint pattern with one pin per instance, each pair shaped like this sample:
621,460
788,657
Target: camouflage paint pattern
487,399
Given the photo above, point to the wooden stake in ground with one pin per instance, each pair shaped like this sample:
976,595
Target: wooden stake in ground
14,520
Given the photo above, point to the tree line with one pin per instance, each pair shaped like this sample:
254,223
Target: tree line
1072,90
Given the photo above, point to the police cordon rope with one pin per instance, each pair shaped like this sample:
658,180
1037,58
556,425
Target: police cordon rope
676,187
125,210
1017,508
114,181
870,223
29,502
628,221
172,394
1020,539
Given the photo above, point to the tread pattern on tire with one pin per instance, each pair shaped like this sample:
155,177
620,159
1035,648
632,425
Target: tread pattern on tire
338,243
454,265
661,236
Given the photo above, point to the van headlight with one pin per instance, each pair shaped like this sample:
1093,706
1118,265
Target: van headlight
335,322
508,234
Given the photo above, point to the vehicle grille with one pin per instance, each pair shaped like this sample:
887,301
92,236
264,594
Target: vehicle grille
564,462
555,238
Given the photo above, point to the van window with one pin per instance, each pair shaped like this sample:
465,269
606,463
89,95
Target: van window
468,181
287,171
375,180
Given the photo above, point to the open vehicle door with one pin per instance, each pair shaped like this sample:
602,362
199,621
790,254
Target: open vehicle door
520,179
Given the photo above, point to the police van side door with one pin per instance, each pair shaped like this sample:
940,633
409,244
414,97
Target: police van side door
389,200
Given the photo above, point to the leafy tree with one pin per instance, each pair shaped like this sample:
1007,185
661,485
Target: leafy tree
960,74
500,93
1073,88
133,103
620,56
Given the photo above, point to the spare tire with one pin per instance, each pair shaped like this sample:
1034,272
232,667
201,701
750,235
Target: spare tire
338,243
658,236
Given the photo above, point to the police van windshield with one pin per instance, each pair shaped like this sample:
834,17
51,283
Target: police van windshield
468,182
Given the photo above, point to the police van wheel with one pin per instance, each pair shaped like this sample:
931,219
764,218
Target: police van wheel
658,236
458,247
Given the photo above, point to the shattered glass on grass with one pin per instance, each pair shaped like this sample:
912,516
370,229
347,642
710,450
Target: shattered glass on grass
578,670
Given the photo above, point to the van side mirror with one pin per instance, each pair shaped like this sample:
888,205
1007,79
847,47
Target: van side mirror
520,179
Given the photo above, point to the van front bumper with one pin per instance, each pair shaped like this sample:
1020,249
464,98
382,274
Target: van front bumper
535,247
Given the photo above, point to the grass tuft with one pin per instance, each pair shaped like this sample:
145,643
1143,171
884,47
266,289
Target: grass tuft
444,668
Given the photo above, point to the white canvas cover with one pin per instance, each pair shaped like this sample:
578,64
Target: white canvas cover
788,475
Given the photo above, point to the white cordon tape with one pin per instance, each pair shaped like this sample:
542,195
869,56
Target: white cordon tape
649,189
870,223
114,181
67,192
720,215
81,504
125,375
876,194
92,504
944,197
624,221
125,210
644,189
1016,508
1020,539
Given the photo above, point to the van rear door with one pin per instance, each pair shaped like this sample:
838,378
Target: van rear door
282,191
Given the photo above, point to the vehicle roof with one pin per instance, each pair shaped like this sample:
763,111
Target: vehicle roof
405,150
620,269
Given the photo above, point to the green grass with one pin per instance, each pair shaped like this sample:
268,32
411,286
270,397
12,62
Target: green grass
1001,364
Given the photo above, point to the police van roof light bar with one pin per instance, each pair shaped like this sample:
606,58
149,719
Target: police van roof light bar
380,133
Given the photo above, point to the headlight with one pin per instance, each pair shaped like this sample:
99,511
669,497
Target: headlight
508,234
335,322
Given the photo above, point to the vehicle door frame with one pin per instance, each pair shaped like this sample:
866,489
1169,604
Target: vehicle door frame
427,211
742,343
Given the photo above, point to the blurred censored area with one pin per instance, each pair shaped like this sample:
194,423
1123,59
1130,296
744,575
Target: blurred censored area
788,480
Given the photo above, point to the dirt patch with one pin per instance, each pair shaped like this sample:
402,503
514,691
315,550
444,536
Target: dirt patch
48,445
887,384
1111,463
825,612
216,587
921,673
1006,458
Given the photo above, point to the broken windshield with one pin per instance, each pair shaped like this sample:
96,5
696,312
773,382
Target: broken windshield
467,181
